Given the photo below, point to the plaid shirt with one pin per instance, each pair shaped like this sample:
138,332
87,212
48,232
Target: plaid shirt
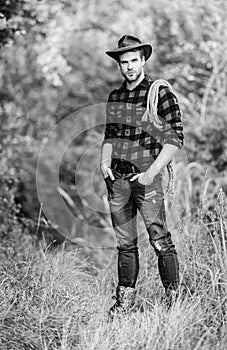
134,140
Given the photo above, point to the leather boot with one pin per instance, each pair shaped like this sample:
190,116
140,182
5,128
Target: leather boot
171,297
125,301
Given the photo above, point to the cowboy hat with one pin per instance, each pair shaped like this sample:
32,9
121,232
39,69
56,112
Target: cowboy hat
128,43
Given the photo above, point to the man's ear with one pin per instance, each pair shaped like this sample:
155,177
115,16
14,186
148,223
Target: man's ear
143,60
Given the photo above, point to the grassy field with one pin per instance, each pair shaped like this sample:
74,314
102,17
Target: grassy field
59,299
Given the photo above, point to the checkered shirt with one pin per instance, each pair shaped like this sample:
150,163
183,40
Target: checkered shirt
133,139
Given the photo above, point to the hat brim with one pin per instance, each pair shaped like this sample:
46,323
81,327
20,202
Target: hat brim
146,47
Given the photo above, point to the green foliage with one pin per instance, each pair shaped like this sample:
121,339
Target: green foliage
16,18
56,65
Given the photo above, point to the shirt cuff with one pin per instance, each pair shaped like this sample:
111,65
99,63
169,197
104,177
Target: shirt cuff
107,141
175,142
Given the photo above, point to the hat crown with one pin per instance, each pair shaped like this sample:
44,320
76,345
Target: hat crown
127,43
128,40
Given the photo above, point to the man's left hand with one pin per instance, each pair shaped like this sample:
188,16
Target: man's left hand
143,178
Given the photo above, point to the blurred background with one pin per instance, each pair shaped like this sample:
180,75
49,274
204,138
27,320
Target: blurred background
53,65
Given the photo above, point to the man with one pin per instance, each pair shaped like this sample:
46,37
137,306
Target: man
134,152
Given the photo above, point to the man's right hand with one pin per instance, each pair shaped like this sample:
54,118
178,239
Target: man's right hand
106,170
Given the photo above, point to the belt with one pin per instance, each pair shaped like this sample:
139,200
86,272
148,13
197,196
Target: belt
123,166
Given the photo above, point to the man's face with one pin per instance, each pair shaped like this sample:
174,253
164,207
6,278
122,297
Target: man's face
131,65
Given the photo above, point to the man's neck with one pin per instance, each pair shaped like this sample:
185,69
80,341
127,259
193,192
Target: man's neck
133,84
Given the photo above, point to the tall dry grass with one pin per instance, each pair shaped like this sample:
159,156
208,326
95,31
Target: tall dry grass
60,299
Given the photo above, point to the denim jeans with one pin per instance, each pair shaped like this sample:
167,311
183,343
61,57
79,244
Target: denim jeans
125,199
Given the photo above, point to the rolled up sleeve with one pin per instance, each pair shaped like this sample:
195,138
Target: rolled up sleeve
169,111
110,131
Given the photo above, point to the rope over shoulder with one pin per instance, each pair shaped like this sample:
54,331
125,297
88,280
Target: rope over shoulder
152,103
151,114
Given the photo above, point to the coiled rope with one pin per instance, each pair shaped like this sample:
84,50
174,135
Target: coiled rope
151,113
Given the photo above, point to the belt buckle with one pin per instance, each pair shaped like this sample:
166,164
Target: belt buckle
128,168
117,168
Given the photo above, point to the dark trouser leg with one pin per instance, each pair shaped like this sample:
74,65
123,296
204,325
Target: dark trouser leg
123,214
128,265
150,201
167,263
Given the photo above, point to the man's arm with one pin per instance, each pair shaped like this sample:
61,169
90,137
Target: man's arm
105,161
169,112
164,157
107,147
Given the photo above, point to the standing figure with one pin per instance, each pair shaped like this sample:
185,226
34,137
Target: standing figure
135,150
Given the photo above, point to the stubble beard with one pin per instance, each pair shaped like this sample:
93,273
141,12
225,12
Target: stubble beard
133,79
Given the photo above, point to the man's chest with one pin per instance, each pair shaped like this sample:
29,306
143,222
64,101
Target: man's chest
129,108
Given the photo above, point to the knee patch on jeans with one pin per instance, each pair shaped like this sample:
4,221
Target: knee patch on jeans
163,245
